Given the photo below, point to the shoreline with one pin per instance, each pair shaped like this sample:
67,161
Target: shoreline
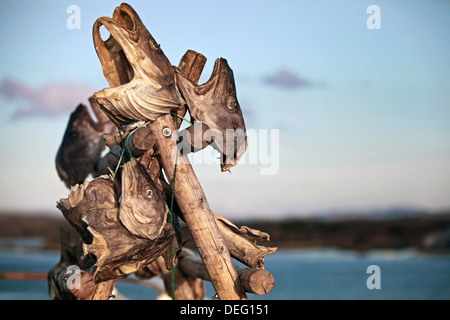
425,233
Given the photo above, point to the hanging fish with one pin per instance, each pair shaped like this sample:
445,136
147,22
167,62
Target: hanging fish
93,210
82,145
215,105
141,78
143,210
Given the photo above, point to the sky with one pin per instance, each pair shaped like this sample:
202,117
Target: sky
341,116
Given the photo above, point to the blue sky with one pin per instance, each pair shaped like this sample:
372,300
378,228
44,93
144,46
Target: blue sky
362,115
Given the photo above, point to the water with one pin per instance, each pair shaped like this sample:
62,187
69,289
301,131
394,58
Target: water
299,274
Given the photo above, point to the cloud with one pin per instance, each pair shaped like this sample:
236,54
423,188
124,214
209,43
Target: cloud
50,99
287,80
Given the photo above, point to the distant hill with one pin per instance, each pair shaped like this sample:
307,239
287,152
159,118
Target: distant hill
428,232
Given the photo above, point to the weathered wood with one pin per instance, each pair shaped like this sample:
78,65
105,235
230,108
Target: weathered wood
242,242
140,140
199,218
225,281
108,162
186,287
255,281
150,162
85,288
191,64
137,144
71,255
194,138
103,290
153,269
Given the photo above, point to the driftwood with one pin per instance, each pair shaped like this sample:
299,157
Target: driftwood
139,142
242,243
61,278
197,214
70,255
187,287
255,281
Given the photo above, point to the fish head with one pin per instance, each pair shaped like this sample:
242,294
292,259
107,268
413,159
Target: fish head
138,72
140,192
215,104
81,147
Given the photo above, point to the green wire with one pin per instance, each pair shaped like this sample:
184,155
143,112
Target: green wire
181,117
126,146
171,209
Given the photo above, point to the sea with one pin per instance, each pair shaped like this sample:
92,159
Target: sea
300,274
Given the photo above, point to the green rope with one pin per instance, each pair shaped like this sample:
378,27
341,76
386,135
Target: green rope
171,210
181,117
126,146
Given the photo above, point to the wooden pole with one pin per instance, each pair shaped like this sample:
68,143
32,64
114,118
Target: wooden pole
191,198
252,280
197,213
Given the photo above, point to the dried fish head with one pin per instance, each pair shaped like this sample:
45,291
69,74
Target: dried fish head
142,208
93,210
82,145
215,104
141,78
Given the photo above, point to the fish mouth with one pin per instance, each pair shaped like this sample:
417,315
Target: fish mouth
229,160
111,52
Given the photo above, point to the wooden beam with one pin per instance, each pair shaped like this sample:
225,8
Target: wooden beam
191,198
197,213
257,281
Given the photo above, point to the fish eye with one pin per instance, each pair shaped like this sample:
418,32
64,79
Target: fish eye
73,135
149,193
231,103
